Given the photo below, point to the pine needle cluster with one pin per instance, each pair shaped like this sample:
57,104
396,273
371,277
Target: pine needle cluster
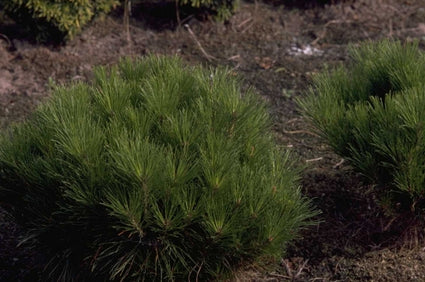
155,171
56,19
372,114
221,9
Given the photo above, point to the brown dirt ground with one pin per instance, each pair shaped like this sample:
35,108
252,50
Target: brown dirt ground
268,45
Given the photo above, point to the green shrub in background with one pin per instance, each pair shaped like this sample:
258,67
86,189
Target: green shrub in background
309,3
302,4
223,9
372,114
155,171
60,18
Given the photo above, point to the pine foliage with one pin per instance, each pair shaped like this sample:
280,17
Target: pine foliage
155,171
222,9
56,18
371,114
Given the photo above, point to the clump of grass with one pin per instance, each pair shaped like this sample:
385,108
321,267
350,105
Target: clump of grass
371,113
155,171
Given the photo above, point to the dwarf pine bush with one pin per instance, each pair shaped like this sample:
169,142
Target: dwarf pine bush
372,114
155,171
63,19
56,18
222,9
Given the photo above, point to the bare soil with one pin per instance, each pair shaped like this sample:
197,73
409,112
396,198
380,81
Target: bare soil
275,49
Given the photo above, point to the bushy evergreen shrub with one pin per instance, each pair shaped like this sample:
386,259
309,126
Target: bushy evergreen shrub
372,114
155,171
56,18
223,9
308,3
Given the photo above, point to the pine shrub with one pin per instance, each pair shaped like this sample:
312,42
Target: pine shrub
372,114
155,171
222,9
56,19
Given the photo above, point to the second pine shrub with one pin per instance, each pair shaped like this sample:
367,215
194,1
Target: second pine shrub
371,113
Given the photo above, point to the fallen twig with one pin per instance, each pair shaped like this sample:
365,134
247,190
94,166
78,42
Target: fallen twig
234,58
288,269
179,23
324,31
126,22
337,165
248,27
6,39
300,132
207,56
291,275
300,269
279,275
185,19
244,22
199,270
314,160
292,120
